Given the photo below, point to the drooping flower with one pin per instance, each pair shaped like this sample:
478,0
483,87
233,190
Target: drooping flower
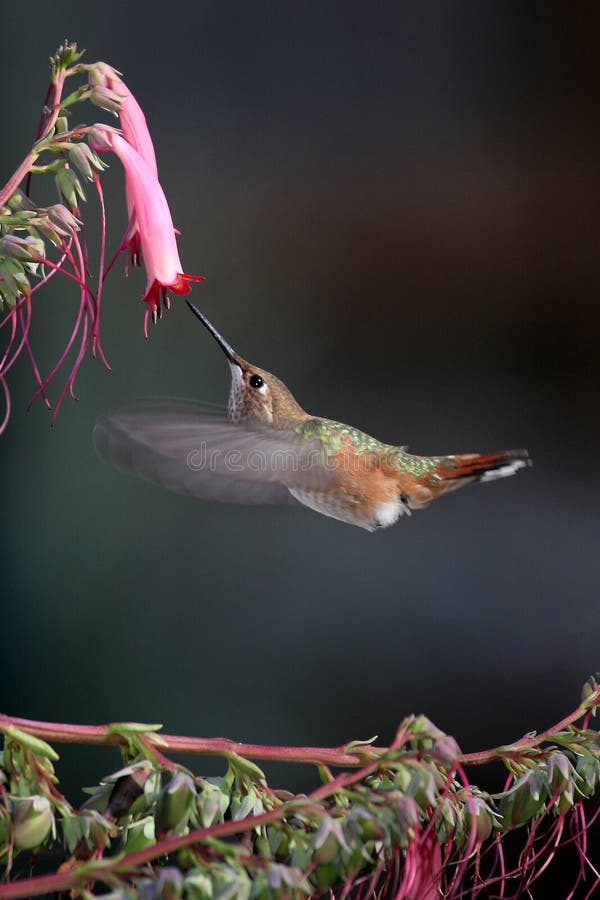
156,232
107,85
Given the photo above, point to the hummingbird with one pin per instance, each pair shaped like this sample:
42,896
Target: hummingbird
265,448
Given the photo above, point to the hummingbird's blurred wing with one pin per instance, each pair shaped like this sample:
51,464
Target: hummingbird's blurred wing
192,449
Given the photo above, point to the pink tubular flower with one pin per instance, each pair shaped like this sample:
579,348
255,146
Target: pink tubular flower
156,232
135,131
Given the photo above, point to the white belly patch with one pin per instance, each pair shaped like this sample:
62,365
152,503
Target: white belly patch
345,509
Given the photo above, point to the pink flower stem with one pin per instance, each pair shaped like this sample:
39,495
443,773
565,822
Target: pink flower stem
122,246
18,309
96,342
6,418
86,306
512,751
40,128
85,291
32,360
466,854
102,735
12,316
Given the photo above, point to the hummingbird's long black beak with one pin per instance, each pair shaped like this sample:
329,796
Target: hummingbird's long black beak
227,350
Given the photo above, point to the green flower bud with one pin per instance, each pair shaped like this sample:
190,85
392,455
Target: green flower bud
408,812
106,99
27,249
78,159
369,828
423,787
175,803
524,800
84,159
13,280
211,804
327,851
566,800
69,187
20,201
99,799
32,822
198,884
3,828
587,769
445,750
62,219
424,728
261,847
589,689
483,819
326,876
169,884
140,835
559,770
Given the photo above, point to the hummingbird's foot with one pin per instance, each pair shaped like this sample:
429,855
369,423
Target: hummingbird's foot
405,506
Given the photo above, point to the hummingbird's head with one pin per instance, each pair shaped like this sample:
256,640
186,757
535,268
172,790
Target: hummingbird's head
255,395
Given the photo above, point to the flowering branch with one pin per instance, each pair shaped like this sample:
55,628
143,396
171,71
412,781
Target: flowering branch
400,821
353,754
37,243
100,735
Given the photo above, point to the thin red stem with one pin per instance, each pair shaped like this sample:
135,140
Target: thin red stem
6,418
96,342
32,359
528,743
101,735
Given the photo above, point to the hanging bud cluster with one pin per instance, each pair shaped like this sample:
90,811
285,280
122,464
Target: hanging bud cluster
404,822
40,243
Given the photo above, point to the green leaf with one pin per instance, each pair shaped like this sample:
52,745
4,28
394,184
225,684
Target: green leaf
131,728
36,745
245,766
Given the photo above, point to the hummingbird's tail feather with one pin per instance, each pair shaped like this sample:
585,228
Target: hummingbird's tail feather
463,468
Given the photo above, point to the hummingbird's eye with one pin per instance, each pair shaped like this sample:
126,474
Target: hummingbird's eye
256,381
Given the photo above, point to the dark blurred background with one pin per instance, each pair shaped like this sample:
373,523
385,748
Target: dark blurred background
393,205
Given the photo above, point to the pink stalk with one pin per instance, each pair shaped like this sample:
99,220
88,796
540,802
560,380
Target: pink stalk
7,405
555,844
122,246
8,365
83,308
6,418
466,855
12,316
40,128
96,342
86,298
33,362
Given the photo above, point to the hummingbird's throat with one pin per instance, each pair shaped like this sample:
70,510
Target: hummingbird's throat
235,406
